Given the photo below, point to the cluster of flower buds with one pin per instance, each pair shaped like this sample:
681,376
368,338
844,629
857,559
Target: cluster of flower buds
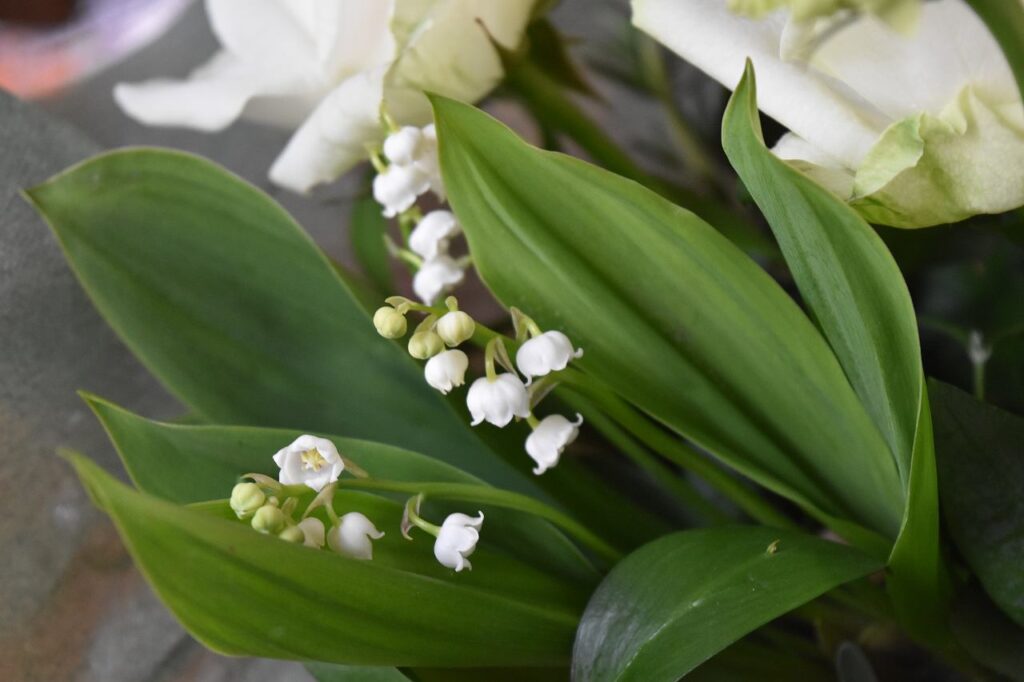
315,463
409,169
496,398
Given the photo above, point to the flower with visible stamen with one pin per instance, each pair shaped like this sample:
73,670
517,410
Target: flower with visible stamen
457,540
310,461
549,438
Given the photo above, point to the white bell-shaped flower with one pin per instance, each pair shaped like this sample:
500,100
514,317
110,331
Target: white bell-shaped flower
430,163
498,400
404,146
446,370
311,461
397,187
457,540
431,235
546,353
549,438
312,532
353,536
436,277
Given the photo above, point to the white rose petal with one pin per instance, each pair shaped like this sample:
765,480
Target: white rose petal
353,536
436,277
498,401
446,370
310,461
549,352
549,438
432,233
457,540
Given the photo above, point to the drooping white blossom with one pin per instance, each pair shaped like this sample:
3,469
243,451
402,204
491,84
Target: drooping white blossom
457,540
430,163
546,353
327,68
353,536
913,128
549,438
446,370
310,461
397,187
313,532
436,277
432,234
498,400
404,146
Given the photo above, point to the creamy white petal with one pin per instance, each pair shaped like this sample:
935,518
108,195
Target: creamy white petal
446,370
430,237
264,32
549,438
334,137
497,401
435,277
312,531
457,540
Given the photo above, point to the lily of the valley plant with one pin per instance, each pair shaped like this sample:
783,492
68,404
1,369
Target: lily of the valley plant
697,436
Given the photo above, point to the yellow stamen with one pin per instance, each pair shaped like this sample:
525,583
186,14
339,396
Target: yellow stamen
312,459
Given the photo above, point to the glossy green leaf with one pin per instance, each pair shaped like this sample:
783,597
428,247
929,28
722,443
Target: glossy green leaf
184,464
857,295
367,231
981,479
223,297
678,601
671,315
243,593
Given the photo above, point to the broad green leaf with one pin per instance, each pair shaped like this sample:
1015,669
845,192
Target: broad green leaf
981,479
857,295
327,672
243,593
988,634
367,230
672,316
183,464
678,601
224,298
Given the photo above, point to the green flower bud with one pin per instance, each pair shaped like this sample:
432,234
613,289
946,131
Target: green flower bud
389,322
292,534
425,345
246,498
455,327
268,519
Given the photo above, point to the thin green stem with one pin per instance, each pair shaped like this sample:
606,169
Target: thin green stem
678,452
979,379
494,496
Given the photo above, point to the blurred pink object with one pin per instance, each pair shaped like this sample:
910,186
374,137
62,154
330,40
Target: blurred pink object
35,62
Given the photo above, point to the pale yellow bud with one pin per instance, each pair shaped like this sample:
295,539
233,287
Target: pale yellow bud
268,519
455,327
246,498
292,534
425,345
389,322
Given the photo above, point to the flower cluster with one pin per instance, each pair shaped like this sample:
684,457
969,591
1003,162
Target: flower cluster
310,462
496,398
410,168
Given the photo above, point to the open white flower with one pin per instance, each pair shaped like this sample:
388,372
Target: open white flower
436,277
912,129
327,67
549,438
497,400
546,353
446,370
312,532
432,233
310,461
457,540
397,188
353,536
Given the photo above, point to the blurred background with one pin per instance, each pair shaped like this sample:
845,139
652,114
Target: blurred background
72,607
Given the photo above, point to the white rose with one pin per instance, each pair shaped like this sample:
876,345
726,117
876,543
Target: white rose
913,128
327,67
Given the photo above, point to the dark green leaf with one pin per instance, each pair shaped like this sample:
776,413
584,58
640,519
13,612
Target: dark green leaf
671,315
197,463
678,601
243,593
981,479
859,299
236,311
988,634
367,231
